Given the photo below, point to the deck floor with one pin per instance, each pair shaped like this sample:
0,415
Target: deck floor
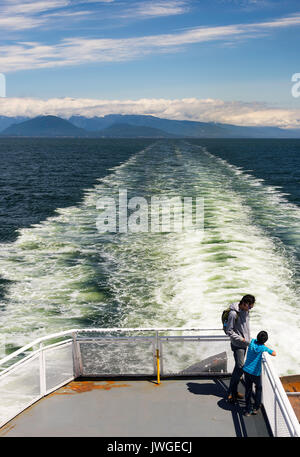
137,408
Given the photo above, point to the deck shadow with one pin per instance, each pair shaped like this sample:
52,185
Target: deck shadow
205,389
244,426
220,389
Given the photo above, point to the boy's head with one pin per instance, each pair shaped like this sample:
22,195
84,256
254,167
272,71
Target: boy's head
262,337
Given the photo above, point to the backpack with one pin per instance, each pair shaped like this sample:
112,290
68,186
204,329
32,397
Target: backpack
224,318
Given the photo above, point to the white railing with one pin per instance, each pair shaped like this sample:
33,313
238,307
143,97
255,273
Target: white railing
50,362
282,418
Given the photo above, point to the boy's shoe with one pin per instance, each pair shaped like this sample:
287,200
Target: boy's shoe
255,411
247,413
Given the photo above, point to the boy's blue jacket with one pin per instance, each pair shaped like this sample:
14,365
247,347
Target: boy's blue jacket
238,328
254,355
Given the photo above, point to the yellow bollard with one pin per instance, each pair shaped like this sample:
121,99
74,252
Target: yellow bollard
158,367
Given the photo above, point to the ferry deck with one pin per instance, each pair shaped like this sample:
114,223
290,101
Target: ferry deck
81,384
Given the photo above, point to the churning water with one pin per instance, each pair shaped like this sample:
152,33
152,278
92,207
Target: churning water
60,272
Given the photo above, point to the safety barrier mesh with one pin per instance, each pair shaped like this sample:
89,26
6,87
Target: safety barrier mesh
117,356
19,388
58,365
191,356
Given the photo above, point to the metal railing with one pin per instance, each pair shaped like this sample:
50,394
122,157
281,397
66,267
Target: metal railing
282,418
50,362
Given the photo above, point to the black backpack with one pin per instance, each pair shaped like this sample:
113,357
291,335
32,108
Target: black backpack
224,318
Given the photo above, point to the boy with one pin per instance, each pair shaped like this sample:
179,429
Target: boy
252,370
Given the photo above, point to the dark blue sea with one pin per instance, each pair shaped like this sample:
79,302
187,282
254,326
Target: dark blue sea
57,271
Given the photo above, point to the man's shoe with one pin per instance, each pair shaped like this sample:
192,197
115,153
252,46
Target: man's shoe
255,411
233,398
247,413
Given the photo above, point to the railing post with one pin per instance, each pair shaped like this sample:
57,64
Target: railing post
157,359
77,366
42,372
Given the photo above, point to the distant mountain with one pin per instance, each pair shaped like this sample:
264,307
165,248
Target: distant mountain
134,131
260,132
45,126
173,127
94,124
191,129
53,126
133,126
6,121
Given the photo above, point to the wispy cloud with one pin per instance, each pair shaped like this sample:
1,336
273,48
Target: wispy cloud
94,1
11,22
206,110
17,7
17,15
81,50
28,14
151,9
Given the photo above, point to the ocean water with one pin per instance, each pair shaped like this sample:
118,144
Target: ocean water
58,271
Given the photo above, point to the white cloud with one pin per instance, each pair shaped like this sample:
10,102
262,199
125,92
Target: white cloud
205,110
33,7
28,14
152,9
288,21
95,1
19,22
78,51
22,15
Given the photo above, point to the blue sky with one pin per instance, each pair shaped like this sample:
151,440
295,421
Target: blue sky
233,55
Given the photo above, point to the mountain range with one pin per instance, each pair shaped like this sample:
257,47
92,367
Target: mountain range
132,126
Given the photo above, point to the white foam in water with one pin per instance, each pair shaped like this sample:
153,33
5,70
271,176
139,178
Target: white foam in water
155,279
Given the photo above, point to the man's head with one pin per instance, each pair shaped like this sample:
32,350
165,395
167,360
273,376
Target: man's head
247,302
262,337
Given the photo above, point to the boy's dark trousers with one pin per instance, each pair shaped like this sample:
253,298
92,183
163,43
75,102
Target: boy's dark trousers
251,379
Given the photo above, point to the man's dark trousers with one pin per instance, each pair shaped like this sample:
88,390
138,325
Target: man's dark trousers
239,357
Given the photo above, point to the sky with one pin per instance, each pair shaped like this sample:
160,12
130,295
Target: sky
208,60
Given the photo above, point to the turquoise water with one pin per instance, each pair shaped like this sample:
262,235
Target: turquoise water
59,272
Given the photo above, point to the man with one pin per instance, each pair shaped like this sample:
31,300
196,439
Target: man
239,332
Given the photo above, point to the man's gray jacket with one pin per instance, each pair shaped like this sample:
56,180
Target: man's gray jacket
238,326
